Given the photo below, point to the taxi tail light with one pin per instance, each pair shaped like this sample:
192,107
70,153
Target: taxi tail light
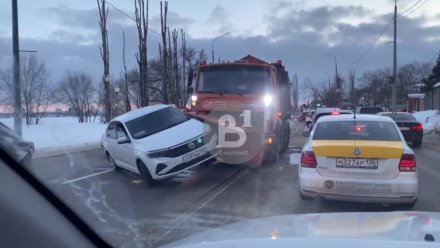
418,127
335,113
308,159
407,163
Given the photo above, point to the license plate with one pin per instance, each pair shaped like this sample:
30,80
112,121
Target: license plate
404,128
194,155
366,163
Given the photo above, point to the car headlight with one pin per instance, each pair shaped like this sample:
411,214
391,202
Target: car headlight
267,99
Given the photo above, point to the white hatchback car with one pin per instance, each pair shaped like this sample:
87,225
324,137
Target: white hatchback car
157,142
361,158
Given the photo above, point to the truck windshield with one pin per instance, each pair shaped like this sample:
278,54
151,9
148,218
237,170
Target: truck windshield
234,79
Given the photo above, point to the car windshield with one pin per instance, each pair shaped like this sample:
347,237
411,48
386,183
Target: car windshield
156,121
234,79
401,117
146,125
356,130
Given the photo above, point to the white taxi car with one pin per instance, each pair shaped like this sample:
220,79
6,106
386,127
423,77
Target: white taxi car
157,142
362,158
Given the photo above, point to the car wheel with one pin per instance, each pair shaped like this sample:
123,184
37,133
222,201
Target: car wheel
112,162
145,173
417,143
409,205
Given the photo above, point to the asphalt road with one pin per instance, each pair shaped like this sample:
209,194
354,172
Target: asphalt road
120,206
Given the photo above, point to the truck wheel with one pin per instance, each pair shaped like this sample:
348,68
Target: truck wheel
272,156
285,138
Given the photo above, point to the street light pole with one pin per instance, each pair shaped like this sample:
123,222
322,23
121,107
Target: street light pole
336,78
393,102
212,45
16,70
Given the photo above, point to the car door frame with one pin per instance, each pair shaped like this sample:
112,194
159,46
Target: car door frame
126,151
110,142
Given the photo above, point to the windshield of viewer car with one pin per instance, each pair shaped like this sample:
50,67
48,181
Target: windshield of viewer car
146,125
356,130
234,79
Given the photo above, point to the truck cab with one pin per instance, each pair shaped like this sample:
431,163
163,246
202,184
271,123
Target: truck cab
250,94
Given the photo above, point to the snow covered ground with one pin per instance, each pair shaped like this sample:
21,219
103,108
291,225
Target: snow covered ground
60,134
430,120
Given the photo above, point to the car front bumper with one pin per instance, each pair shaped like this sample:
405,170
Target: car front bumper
401,189
172,166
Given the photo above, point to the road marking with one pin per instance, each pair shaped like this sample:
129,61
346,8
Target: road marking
88,176
179,220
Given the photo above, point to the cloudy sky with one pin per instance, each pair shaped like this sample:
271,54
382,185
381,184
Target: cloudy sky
66,33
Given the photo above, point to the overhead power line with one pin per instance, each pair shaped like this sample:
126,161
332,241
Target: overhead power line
130,17
416,8
374,43
408,9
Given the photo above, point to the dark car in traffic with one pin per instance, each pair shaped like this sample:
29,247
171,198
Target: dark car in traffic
16,147
327,111
369,110
411,129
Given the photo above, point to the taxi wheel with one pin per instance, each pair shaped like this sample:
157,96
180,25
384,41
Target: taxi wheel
145,173
409,205
417,143
304,197
112,162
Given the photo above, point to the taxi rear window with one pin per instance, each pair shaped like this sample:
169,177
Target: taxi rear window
356,130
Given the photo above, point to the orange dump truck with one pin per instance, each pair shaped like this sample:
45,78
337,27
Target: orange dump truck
247,102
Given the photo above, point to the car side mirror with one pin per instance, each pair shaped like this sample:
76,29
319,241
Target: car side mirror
306,133
190,90
123,140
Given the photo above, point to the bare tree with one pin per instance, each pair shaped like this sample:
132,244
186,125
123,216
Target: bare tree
78,90
141,15
184,93
126,85
164,51
36,94
104,49
176,74
409,77
352,81
134,92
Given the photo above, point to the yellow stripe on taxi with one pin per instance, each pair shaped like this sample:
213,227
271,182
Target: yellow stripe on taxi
367,148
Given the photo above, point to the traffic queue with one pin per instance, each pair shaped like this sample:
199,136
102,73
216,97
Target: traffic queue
351,156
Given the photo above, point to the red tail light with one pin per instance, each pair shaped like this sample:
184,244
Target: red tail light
308,159
335,113
418,127
407,163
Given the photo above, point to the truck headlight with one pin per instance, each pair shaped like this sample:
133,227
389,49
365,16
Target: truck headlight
193,100
267,99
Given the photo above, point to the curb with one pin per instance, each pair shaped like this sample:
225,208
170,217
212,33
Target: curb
57,151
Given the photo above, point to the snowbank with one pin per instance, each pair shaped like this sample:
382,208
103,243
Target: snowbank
430,120
61,134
